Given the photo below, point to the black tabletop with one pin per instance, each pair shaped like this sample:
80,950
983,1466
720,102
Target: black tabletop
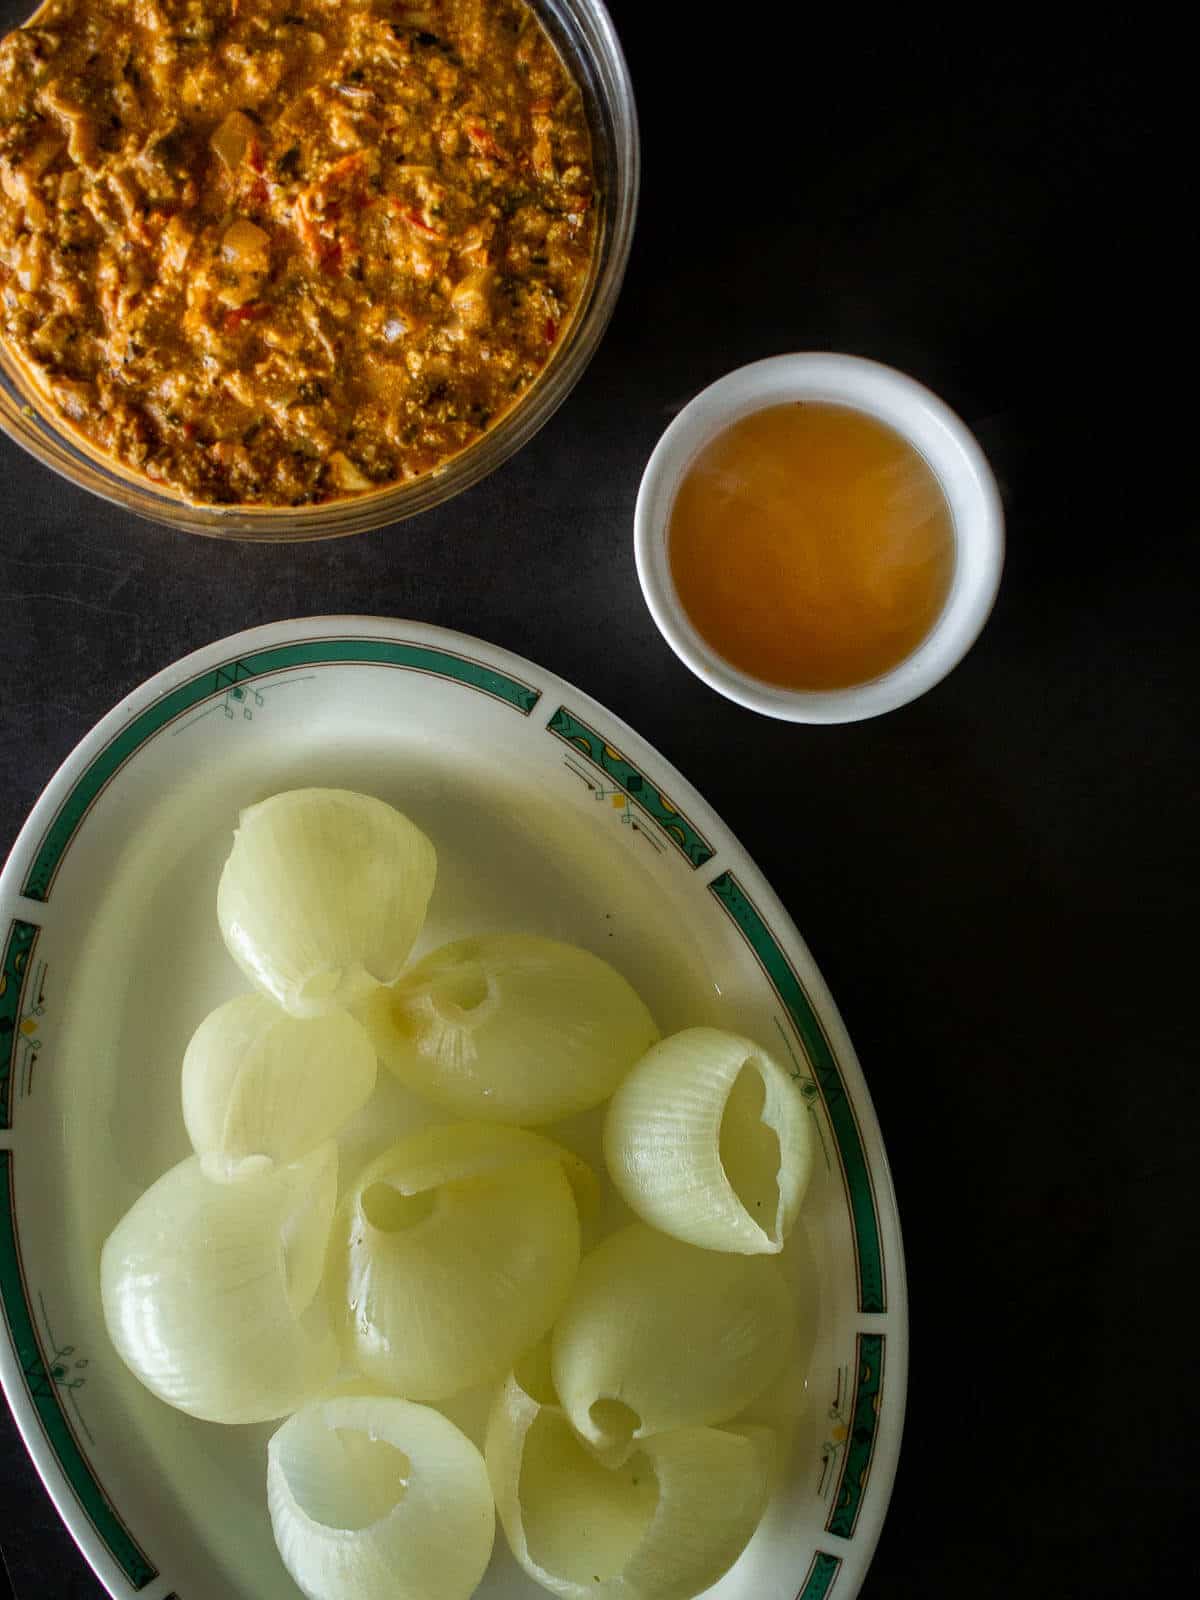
994,879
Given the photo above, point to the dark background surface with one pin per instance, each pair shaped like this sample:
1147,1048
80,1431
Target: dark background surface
996,881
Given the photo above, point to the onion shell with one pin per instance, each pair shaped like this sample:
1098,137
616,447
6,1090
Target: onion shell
664,1525
261,1085
511,1028
323,896
659,1335
380,1499
205,1287
454,1251
709,1140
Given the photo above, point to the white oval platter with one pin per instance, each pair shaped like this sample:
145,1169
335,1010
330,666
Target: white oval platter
549,816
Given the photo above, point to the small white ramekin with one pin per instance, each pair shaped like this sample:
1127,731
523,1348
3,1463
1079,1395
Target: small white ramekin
948,447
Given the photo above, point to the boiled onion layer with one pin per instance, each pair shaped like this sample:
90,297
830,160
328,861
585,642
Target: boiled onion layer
454,1252
663,1525
379,1499
323,896
659,1335
511,1028
205,1286
261,1086
709,1140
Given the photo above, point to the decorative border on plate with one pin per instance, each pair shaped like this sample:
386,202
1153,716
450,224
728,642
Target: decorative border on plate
860,1446
821,1576
218,682
682,833
856,1174
14,971
45,1400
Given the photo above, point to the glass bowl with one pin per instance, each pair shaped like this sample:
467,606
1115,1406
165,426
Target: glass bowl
587,40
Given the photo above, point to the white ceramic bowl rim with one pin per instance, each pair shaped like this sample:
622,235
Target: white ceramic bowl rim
936,432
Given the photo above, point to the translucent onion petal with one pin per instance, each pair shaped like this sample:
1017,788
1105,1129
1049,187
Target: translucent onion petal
716,1483
323,896
511,1028
456,1150
709,1140
454,1252
379,1499
258,1083
204,1288
659,1335
665,1525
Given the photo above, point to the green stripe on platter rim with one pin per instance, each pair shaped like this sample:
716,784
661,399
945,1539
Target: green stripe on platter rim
860,1445
522,697
45,1401
14,969
679,829
860,1188
821,1576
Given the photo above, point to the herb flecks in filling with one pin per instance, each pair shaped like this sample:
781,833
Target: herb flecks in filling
284,251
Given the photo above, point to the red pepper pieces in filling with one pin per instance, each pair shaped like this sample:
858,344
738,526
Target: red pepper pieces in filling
411,215
254,312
